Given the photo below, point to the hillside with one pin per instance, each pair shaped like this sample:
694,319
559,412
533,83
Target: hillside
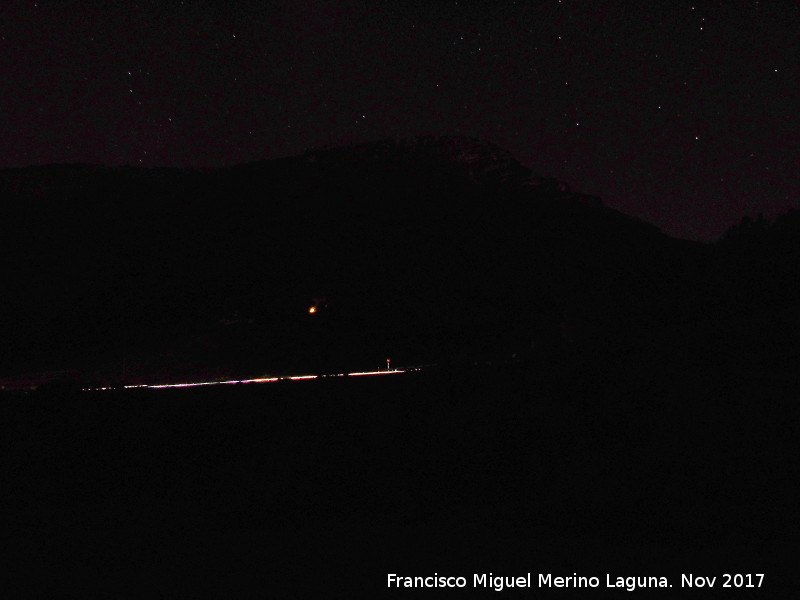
422,250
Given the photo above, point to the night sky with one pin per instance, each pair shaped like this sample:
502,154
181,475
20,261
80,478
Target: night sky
684,114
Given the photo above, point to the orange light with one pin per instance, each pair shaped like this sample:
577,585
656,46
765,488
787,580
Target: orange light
312,310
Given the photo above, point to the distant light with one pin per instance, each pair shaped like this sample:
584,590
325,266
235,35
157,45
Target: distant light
312,310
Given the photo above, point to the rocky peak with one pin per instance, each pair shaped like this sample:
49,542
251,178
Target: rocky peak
481,161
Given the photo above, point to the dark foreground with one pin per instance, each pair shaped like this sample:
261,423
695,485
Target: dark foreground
321,488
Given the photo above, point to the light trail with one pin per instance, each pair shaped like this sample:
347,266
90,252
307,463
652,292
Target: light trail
376,373
183,385
162,386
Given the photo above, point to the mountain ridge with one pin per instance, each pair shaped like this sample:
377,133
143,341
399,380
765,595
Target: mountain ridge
428,249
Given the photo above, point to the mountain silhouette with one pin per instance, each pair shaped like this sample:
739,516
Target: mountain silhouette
429,249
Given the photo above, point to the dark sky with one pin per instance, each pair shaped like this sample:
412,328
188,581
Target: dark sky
682,113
